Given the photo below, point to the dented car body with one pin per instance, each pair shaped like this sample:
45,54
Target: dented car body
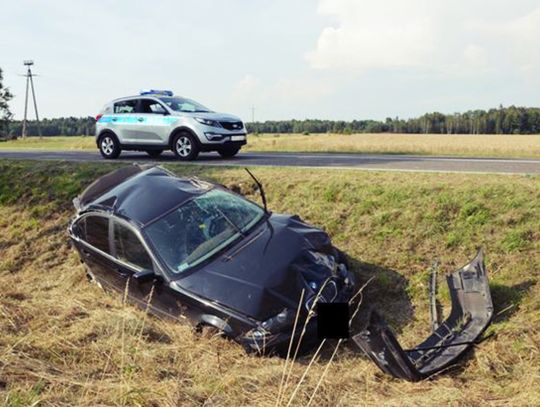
192,250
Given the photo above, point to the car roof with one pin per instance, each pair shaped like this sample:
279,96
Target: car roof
147,96
135,97
141,195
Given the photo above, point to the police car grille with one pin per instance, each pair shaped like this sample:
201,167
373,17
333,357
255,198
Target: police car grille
232,125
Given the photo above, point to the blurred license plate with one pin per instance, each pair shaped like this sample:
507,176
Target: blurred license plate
238,138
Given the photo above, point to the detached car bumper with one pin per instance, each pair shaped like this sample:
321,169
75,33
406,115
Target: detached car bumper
472,311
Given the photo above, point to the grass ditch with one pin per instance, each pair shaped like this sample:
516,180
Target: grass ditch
64,342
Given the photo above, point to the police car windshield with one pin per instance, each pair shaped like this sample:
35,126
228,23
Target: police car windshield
184,105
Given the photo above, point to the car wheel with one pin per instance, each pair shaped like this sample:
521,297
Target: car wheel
185,147
208,331
154,153
109,147
228,151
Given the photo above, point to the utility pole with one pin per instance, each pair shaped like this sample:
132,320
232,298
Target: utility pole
29,82
252,114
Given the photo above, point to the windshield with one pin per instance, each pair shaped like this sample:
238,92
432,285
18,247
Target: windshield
179,104
201,227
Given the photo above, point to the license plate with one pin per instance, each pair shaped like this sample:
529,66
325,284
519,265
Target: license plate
238,138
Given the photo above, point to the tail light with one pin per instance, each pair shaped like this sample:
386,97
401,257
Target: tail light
98,117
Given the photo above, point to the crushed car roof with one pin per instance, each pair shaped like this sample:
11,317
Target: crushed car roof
140,193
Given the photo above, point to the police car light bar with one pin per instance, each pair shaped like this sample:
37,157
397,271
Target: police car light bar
156,92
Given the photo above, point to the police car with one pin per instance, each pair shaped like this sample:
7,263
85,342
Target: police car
156,120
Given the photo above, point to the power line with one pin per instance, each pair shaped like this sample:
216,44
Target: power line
30,83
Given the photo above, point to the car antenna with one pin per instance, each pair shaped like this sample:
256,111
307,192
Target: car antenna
261,190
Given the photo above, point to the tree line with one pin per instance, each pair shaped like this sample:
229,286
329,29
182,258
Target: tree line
62,126
503,120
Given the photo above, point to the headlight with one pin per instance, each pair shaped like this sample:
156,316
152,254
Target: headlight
272,325
257,334
207,122
280,321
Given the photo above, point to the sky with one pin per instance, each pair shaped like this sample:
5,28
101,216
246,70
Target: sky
289,59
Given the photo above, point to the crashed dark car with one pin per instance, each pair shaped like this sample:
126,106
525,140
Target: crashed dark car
195,250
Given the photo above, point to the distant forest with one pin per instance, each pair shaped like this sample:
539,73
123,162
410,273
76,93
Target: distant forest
504,120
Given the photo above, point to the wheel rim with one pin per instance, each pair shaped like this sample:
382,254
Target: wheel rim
107,145
183,146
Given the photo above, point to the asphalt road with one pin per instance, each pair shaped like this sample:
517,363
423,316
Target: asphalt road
386,162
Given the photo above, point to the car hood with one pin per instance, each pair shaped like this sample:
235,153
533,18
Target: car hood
212,116
263,273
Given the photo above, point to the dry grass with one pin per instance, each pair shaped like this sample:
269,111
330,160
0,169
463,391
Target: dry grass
425,144
51,143
64,342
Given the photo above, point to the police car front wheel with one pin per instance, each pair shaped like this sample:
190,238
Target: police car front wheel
185,147
109,147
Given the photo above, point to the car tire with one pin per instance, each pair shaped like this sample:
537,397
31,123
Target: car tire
154,153
109,146
208,331
185,147
228,152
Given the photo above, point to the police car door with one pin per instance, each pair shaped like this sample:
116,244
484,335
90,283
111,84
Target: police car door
153,122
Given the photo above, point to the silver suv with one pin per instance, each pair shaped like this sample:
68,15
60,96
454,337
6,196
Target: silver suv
155,121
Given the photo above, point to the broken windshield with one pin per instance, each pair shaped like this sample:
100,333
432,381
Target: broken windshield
201,227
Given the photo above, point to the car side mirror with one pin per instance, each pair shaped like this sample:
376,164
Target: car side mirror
165,113
145,276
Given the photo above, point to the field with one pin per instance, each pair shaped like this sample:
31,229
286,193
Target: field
424,144
64,342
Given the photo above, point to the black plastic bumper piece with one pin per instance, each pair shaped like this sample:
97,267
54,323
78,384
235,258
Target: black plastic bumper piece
472,311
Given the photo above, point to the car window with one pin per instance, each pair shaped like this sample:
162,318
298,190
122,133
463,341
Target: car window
97,232
129,248
151,106
125,106
179,104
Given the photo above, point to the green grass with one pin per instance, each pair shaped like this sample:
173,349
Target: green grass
64,342
423,144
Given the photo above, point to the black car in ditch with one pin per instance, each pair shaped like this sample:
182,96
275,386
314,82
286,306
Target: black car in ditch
191,249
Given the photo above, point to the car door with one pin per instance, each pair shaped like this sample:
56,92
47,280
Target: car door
154,122
157,296
124,121
95,250
131,257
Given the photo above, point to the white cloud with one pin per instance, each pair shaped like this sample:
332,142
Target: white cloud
372,35
516,40
462,37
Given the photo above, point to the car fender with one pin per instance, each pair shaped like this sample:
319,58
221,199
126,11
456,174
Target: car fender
182,128
105,131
